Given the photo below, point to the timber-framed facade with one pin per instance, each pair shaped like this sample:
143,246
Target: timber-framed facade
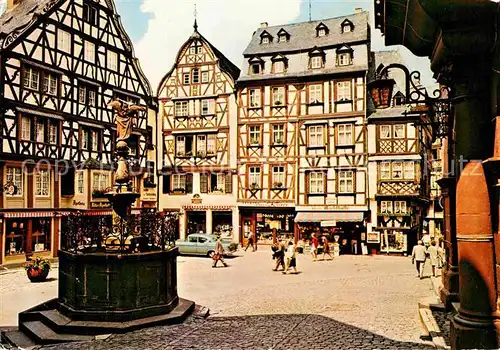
61,63
197,138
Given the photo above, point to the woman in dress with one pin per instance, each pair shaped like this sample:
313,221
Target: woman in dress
290,258
326,248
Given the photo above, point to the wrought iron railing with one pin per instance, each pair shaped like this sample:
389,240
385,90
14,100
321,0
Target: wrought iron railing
147,231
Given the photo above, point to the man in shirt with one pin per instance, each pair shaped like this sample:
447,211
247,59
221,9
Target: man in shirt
418,257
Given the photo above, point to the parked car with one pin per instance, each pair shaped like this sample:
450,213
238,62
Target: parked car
203,244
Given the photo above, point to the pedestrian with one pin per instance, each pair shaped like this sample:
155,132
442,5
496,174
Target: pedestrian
441,252
314,247
279,255
418,257
326,248
219,253
290,261
250,242
434,256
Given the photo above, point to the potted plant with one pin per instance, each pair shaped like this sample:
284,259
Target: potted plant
201,154
277,184
278,141
178,190
254,186
37,269
98,193
255,141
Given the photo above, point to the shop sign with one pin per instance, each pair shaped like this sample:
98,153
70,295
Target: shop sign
275,216
148,195
328,223
196,199
78,203
100,205
281,204
373,237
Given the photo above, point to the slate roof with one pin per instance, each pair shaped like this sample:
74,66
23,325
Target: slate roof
303,35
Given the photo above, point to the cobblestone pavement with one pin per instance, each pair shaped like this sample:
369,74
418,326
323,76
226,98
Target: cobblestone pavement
443,320
353,302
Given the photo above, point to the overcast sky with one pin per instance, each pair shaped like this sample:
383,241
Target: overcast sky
159,27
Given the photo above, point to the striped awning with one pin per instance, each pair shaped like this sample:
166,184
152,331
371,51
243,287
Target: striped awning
320,216
28,214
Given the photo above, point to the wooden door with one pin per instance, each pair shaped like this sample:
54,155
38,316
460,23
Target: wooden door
248,228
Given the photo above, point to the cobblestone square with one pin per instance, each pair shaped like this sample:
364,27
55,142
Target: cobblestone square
352,302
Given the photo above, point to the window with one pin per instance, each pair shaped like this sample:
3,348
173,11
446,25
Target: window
204,77
344,59
399,207
346,28
64,40
42,185
385,207
385,170
25,128
316,62
204,183
50,84
179,182
211,144
95,140
100,182
181,109
315,94
31,78
254,98
15,177
254,177
196,76
279,67
201,145
218,182
278,134
87,95
180,145
278,96
409,170
265,40
343,91
254,135
316,136
278,177
84,141
79,182
345,134
112,60
205,107
255,68
89,53
91,97
316,182
40,131
346,181
192,50
90,14
199,49
52,133
397,170
399,131
185,78
385,131
282,38
322,32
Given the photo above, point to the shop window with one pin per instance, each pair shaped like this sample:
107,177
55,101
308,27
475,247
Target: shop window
196,222
393,241
346,181
15,179
222,224
15,236
40,237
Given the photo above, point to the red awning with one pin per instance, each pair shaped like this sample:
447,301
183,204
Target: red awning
343,216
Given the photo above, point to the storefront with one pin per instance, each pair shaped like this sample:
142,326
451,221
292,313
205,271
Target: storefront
268,225
196,222
208,219
222,224
345,228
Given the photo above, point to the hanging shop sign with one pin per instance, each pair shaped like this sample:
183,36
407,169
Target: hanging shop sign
196,199
148,194
328,223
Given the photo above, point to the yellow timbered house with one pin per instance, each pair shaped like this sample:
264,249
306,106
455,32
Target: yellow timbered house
197,139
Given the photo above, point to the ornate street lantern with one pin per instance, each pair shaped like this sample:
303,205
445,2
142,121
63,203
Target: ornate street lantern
381,92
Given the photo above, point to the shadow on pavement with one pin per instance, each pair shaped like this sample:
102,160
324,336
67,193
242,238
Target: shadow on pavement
275,332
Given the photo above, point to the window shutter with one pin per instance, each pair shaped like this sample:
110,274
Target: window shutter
308,182
68,183
204,183
189,144
166,183
229,183
213,182
189,183
325,184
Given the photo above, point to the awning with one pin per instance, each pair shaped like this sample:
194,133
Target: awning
342,216
28,214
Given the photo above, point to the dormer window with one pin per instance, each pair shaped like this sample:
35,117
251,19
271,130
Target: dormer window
347,26
316,62
283,36
322,30
256,66
316,59
265,38
344,56
282,39
279,64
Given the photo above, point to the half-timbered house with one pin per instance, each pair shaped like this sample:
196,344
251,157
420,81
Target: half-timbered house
399,174
61,63
301,130
197,139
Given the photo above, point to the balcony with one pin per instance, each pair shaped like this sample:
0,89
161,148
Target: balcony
395,187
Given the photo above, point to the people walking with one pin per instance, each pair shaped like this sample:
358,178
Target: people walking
219,253
291,260
279,255
250,242
418,257
314,247
326,248
434,256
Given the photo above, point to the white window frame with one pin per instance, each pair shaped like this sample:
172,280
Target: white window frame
180,145
346,28
278,96
100,181
95,140
80,182
31,78
63,40
282,38
201,144
344,90
84,142
112,60
385,131
82,94
316,182
316,93
322,32
89,51
254,99
255,134
346,181
181,108
344,59
52,137
211,144
409,170
278,133
204,77
344,135
50,82
40,131
255,176
205,107
25,128
316,62
400,207
192,50
178,181
186,78
279,66
92,97
397,167
15,176
385,170
386,207
278,175
195,75
265,40
220,182
316,135
42,183
398,131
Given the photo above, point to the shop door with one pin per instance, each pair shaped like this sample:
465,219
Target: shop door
248,225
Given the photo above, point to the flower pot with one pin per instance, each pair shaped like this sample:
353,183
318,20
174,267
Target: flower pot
37,275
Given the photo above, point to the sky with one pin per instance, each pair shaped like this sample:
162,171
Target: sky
158,28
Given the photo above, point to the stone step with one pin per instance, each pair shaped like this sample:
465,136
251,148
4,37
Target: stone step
431,328
42,334
18,339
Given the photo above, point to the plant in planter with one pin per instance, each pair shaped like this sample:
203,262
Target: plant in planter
278,141
178,190
98,193
255,141
201,154
254,186
37,269
278,184
217,190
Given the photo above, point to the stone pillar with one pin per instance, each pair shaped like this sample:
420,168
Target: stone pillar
209,222
236,225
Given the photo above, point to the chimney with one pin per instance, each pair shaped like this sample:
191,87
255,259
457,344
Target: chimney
358,10
264,25
12,3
